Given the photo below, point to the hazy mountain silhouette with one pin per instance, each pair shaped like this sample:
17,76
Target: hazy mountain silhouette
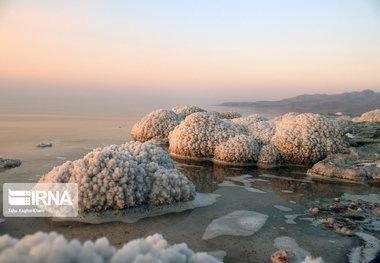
348,103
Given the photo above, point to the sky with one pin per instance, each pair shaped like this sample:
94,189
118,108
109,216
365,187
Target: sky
79,54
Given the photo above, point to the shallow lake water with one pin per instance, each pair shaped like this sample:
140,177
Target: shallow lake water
286,188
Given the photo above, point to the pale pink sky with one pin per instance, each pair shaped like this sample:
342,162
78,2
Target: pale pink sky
236,50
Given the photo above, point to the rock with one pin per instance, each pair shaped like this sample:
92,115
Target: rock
370,116
346,167
44,145
9,163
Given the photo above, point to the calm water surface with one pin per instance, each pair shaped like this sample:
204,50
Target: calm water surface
74,136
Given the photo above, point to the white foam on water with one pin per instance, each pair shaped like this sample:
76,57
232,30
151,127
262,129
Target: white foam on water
290,218
289,244
237,223
287,191
246,186
283,208
132,215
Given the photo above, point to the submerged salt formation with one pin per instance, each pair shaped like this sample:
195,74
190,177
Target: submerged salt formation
9,163
125,176
55,248
307,138
184,111
200,133
237,223
156,125
371,116
239,149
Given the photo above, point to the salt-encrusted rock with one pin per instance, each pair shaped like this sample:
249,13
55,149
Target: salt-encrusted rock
307,138
229,115
125,176
346,167
184,111
55,248
370,116
269,156
44,145
9,163
240,149
258,127
199,134
156,125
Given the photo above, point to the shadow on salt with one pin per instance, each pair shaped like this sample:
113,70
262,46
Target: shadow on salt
132,215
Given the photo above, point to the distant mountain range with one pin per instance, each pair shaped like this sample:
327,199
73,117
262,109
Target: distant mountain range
348,103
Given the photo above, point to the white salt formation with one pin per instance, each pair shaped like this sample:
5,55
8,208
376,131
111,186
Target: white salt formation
239,149
199,134
125,176
258,127
283,208
269,156
371,116
156,125
237,223
55,248
184,111
307,138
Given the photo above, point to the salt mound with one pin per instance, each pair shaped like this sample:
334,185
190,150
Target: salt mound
119,177
156,125
371,116
238,150
55,248
307,138
258,127
199,134
237,223
184,111
269,156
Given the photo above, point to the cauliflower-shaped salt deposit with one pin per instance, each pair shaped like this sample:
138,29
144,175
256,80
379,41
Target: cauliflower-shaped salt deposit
371,116
119,177
258,127
238,150
55,248
307,138
199,134
184,111
156,125
269,156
